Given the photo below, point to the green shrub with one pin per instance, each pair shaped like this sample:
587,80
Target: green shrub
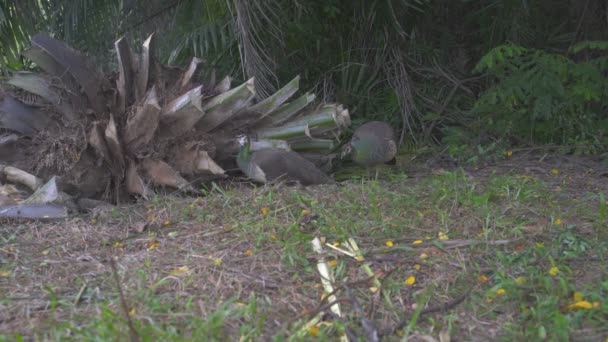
539,97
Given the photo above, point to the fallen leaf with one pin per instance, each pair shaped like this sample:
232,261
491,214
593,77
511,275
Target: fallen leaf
181,271
153,244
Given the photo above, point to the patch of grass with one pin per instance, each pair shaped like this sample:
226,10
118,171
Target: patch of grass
528,250
160,322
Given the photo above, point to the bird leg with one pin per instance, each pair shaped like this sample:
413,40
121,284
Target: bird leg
377,171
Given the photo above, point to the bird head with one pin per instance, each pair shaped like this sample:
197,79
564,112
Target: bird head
243,140
346,150
244,143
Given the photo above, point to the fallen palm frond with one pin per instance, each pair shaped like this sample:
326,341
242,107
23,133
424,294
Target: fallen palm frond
150,127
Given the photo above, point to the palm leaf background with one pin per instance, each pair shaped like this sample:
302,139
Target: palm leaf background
396,60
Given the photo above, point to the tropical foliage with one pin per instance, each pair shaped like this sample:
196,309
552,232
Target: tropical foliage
546,97
409,62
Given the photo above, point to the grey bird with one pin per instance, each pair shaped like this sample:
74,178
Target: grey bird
372,144
269,165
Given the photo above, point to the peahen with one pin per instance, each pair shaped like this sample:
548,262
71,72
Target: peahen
372,144
273,164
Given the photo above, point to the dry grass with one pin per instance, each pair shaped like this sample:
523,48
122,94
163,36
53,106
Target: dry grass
238,262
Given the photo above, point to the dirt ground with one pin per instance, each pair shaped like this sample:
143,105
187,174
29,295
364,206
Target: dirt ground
192,254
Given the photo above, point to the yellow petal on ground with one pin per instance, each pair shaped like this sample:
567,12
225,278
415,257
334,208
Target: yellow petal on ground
313,330
580,305
501,292
304,212
558,222
482,279
265,211
423,256
153,244
181,271
442,236
167,223
520,280
132,312
577,296
389,243
509,153
553,271
555,171
417,242
249,252
217,262
333,263
417,267
410,280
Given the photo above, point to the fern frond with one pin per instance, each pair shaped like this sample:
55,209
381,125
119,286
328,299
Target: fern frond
589,45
